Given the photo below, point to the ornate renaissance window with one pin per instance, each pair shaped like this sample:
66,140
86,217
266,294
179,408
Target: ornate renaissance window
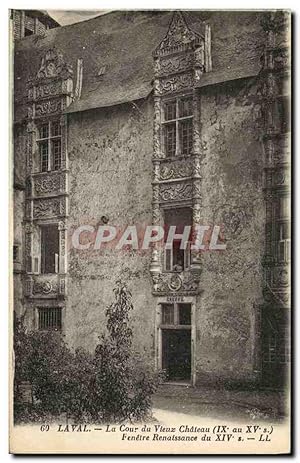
49,143
177,127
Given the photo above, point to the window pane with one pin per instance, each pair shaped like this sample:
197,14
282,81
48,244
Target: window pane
170,139
184,314
167,314
44,156
185,107
186,136
44,131
56,154
170,110
55,129
49,248
50,318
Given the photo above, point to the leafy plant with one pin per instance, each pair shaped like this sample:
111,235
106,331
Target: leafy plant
113,385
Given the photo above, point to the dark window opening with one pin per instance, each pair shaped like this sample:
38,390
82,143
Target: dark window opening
15,253
50,318
177,259
49,249
28,32
184,314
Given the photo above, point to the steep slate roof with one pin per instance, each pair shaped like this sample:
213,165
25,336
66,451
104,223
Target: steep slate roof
123,42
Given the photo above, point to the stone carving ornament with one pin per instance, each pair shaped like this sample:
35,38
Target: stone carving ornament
176,169
47,208
179,37
48,107
183,283
47,184
53,65
175,64
176,191
45,287
175,83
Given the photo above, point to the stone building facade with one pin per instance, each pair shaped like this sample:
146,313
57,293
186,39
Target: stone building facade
162,118
31,22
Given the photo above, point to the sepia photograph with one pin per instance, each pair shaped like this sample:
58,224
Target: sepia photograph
151,231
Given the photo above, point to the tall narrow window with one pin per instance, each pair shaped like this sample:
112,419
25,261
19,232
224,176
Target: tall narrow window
49,248
283,242
178,126
49,142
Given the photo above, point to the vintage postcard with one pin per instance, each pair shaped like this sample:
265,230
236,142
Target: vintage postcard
150,305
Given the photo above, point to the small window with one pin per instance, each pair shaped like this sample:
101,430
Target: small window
50,318
15,253
49,248
284,242
178,127
178,314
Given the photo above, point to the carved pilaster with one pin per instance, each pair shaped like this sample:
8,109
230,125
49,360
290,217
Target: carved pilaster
157,129
62,227
30,143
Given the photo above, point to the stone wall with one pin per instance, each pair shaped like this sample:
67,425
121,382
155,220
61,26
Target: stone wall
110,175
231,280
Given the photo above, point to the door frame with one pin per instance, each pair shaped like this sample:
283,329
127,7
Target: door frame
174,299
